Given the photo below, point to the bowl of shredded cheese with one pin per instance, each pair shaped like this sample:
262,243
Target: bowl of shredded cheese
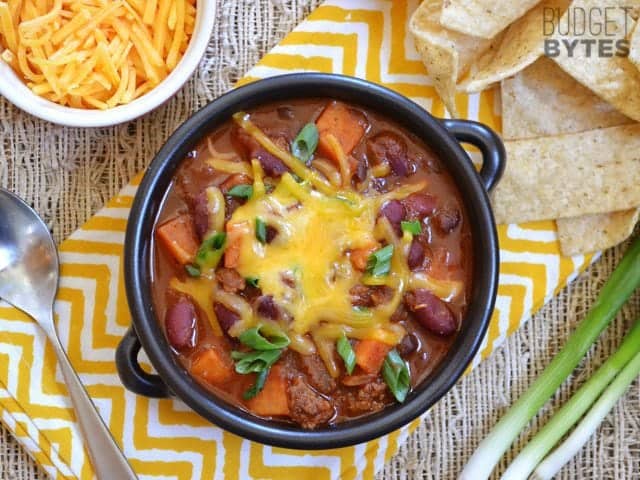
95,63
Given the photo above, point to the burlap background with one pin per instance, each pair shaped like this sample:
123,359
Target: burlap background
67,174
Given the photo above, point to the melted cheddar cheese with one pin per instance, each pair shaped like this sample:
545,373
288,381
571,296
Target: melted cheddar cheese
307,267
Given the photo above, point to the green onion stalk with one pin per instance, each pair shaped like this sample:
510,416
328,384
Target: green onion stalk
574,409
622,283
589,424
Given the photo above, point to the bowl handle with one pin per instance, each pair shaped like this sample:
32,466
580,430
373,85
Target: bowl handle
133,377
494,156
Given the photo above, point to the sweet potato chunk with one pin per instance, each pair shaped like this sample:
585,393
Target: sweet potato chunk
212,366
235,232
272,400
179,237
370,355
345,124
360,256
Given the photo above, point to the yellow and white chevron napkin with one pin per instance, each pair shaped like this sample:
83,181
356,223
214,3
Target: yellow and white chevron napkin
164,438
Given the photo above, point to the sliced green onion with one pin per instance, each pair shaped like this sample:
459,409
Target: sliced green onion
413,227
261,230
345,350
622,283
361,310
211,250
256,361
241,191
379,262
589,424
395,373
253,281
253,338
573,410
258,386
192,270
304,145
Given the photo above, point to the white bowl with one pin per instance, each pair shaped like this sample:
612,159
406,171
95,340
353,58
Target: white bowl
14,89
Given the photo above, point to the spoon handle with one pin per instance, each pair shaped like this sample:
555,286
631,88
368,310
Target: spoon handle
107,459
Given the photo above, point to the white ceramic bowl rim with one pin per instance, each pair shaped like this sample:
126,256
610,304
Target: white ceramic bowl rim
14,89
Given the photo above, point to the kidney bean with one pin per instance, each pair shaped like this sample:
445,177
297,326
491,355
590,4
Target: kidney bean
181,324
447,219
419,205
360,172
416,255
272,166
408,345
272,233
226,318
231,204
395,213
431,312
391,148
201,214
267,307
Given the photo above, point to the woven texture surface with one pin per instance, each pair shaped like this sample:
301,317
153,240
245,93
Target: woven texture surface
67,174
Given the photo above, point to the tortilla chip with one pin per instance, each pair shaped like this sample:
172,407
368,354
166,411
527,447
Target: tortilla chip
634,47
446,54
522,44
543,100
595,232
615,79
483,18
570,175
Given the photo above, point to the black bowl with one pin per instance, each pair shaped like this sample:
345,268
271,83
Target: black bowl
443,136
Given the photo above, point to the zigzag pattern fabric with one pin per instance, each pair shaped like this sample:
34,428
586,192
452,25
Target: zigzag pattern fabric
164,438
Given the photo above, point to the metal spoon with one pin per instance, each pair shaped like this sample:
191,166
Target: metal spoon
29,272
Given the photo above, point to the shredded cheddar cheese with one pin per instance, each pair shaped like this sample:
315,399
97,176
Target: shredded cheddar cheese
307,267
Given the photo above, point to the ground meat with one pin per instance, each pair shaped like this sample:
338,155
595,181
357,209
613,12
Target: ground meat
308,408
369,398
370,296
230,280
400,315
391,148
317,374
285,113
357,380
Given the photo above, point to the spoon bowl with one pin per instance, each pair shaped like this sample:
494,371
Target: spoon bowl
29,273
28,260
